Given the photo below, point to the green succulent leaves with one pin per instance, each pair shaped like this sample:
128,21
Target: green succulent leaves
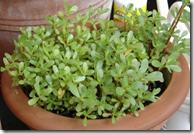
106,72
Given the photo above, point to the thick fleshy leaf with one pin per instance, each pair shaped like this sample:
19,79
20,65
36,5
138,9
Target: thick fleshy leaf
108,106
48,79
141,106
131,100
156,63
173,56
113,120
120,91
79,107
99,64
128,51
83,50
184,33
136,85
123,58
113,74
155,76
103,37
61,39
14,73
78,29
100,73
80,79
94,83
68,55
56,52
90,102
175,68
186,15
124,81
78,17
85,122
5,61
85,67
61,14
60,93
55,69
8,56
141,20
92,116
73,89
43,98
73,9
65,5
48,91
130,35
144,66
33,101
70,37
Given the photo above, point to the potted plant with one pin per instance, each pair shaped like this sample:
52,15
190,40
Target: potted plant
99,75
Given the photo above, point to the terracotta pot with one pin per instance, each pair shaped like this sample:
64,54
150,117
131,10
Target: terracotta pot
153,117
23,13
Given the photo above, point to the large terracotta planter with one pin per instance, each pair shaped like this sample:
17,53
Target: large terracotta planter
153,117
23,13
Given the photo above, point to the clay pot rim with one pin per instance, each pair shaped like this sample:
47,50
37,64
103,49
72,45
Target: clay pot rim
170,101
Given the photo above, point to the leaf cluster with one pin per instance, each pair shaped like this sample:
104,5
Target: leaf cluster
91,66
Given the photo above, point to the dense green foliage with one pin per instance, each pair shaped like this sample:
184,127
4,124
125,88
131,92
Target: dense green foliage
100,73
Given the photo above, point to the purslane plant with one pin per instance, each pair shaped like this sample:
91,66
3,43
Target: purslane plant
93,68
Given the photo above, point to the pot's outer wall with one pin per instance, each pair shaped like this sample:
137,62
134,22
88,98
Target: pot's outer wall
154,114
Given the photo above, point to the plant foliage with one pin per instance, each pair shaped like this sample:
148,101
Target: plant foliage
92,67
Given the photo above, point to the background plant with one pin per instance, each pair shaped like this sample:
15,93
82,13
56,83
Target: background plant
106,72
